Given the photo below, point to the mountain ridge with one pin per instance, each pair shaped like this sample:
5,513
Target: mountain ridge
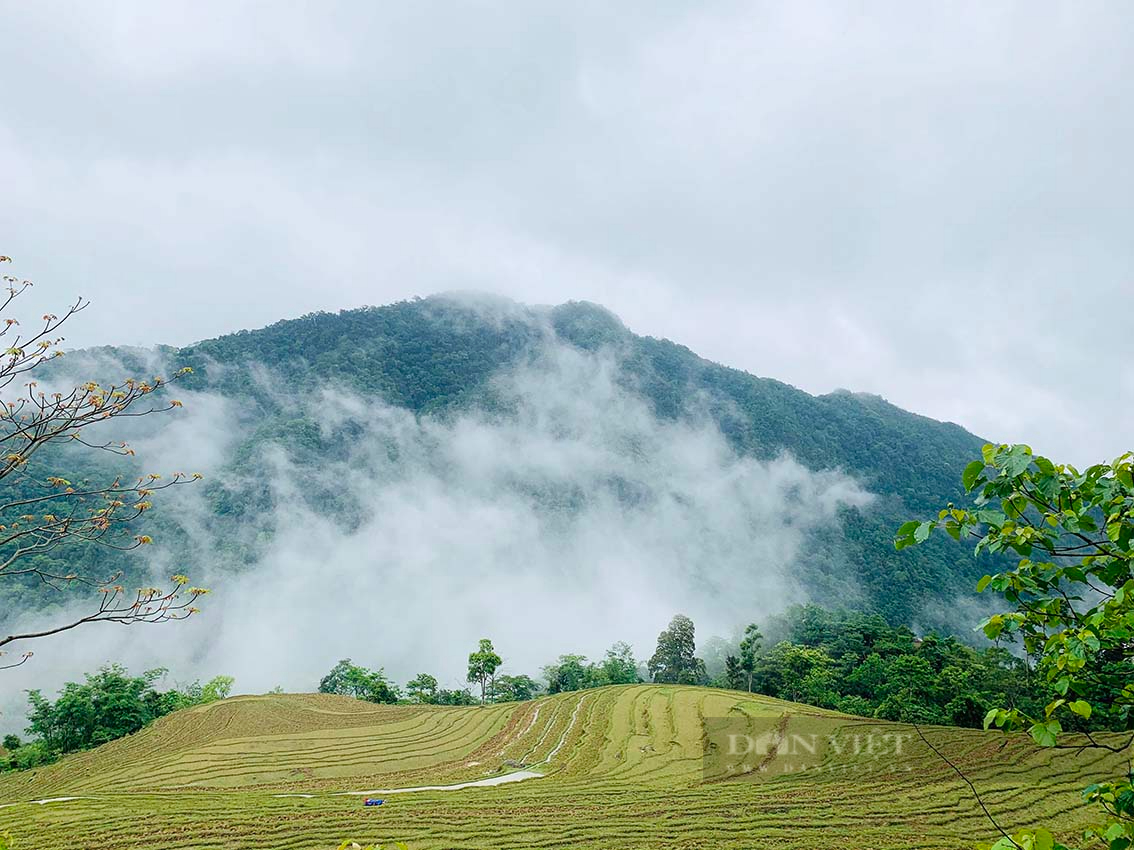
437,354
442,358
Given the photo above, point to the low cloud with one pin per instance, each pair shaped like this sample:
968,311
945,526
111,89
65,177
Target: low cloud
562,517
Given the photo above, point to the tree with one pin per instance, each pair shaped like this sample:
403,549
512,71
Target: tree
674,661
108,705
514,688
618,667
749,647
735,677
796,673
217,688
41,512
574,673
570,673
12,742
351,680
483,665
1071,603
461,697
422,688
908,691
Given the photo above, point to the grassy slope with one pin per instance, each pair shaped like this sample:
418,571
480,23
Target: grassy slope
627,773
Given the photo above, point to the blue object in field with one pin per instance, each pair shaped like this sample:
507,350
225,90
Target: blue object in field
371,801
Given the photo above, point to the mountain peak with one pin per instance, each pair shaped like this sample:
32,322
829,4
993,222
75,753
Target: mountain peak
588,325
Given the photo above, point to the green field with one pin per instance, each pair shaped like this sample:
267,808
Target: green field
623,769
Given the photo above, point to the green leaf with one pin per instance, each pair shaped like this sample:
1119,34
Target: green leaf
972,473
904,537
1081,707
1043,840
990,718
1019,458
921,534
1045,734
982,584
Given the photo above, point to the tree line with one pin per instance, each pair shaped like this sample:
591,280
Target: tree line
107,705
844,660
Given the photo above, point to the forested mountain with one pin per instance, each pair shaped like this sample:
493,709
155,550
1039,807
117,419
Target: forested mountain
440,359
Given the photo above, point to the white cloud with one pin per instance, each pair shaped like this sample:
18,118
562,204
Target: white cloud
576,521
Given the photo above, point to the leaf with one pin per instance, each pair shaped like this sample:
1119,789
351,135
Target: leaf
921,534
1081,707
1045,734
1043,840
982,584
904,537
1018,460
972,473
990,718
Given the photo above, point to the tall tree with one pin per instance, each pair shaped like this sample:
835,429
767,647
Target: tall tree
42,511
1070,600
483,665
749,648
674,661
422,688
734,675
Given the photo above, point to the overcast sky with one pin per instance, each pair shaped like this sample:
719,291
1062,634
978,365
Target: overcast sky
929,201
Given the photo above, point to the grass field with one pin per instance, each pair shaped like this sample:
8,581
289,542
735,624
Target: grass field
623,769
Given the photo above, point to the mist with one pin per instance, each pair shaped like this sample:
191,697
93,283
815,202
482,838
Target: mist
562,518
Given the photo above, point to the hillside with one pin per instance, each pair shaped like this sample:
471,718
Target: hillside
623,766
722,486
437,357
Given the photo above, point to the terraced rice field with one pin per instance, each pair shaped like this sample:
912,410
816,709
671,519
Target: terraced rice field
622,768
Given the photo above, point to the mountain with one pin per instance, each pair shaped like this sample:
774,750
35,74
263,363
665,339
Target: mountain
572,415
435,356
